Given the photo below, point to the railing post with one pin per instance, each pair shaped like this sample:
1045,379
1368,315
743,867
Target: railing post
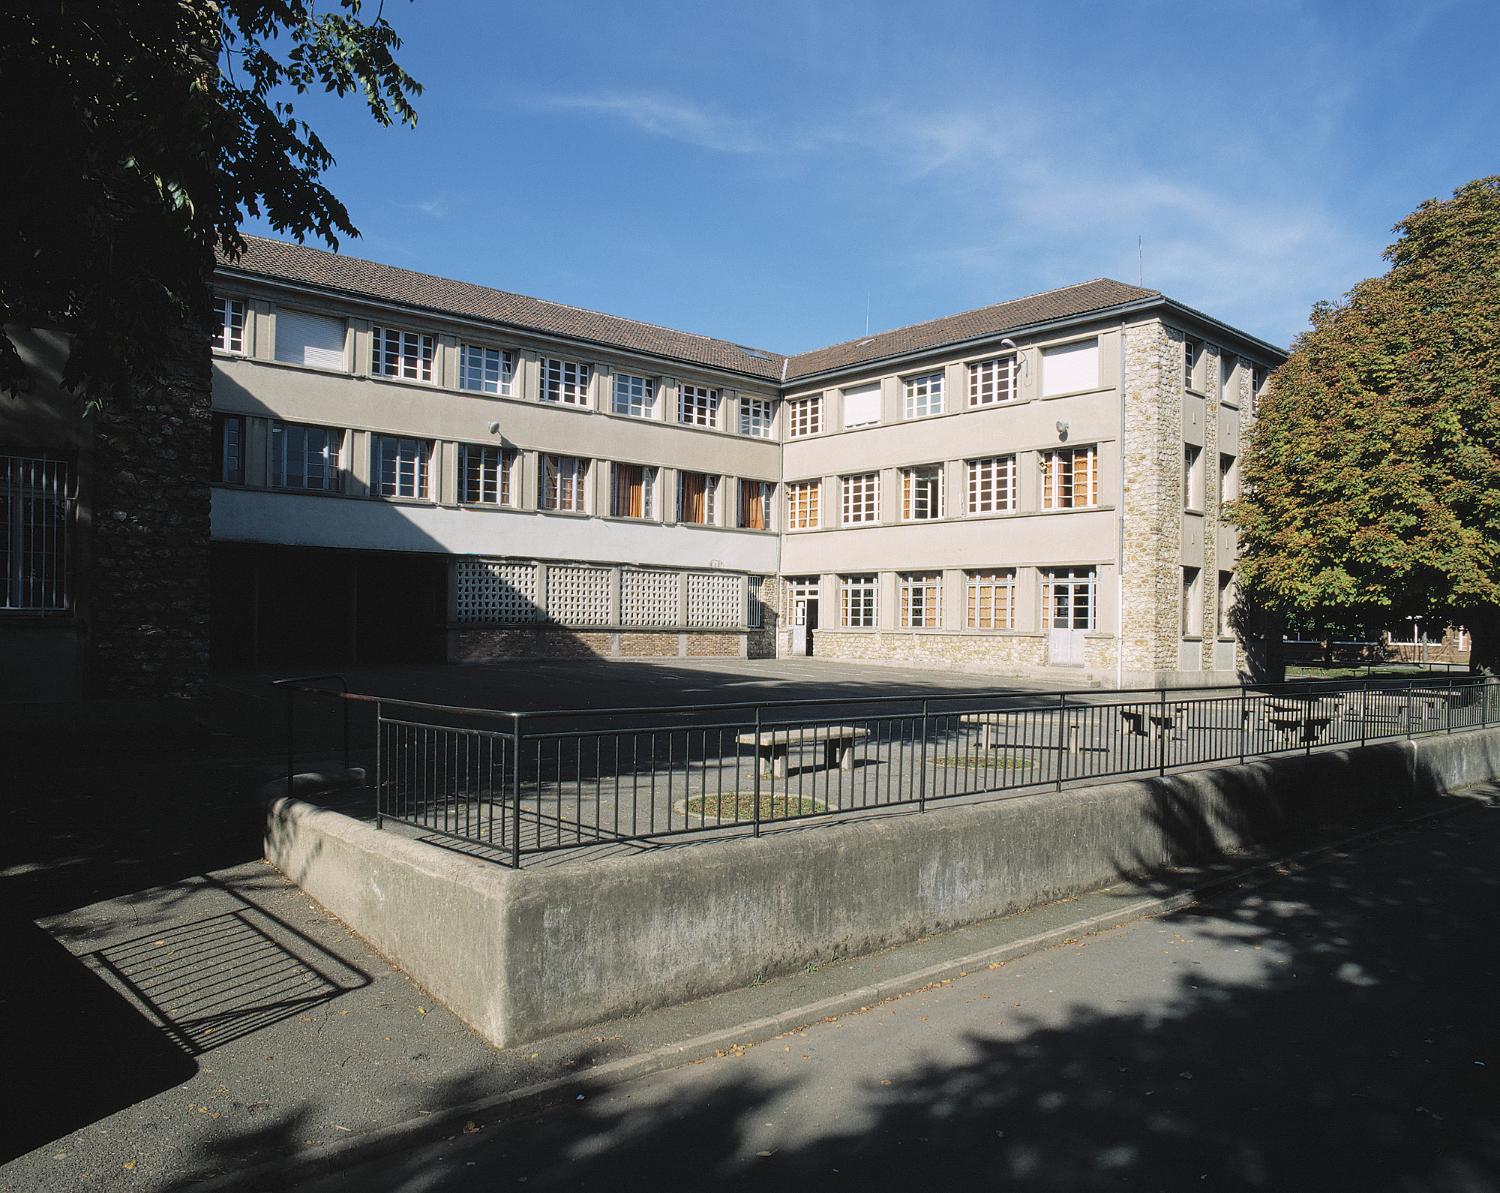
379,768
515,790
291,720
1062,735
922,764
1161,731
1244,720
1408,711
1452,691
756,767
345,702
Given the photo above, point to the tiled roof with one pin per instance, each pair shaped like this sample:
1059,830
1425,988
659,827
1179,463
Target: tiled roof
368,279
1084,298
386,283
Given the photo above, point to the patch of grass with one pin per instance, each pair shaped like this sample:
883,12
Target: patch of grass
773,806
988,759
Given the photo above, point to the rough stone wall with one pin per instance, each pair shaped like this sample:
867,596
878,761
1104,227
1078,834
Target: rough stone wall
148,604
1153,497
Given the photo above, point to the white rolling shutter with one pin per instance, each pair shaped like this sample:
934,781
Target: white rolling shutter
1070,367
306,339
862,405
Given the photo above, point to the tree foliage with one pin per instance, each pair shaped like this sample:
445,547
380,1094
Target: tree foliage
137,135
1372,473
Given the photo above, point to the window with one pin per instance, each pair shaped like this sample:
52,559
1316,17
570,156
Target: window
802,501
403,354
698,406
1226,605
1228,392
229,449
563,484
1258,379
1070,478
633,494
921,600
755,417
486,370
1070,368
485,474
695,497
308,458
402,466
635,396
755,606
229,313
858,601
1192,353
862,405
992,485
861,495
922,493
1068,598
922,395
992,381
314,340
1229,479
755,505
1192,477
565,381
805,416
1192,603
991,600
36,517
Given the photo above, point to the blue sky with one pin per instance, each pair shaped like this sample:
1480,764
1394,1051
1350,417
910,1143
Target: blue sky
767,172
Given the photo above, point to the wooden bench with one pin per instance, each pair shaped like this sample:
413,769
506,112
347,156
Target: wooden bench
774,744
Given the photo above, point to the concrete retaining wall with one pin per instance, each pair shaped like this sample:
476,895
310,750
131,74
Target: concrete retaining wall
523,955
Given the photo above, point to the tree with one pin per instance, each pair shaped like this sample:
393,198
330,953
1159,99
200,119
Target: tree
139,134
1372,472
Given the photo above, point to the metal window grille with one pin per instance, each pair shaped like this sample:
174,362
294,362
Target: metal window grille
305,457
755,417
484,474
404,354
861,498
921,600
229,335
635,396
565,381
858,601
578,596
402,466
922,493
755,605
713,600
805,416
496,590
802,501
1070,479
486,370
923,395
563,484
992,485
648,598
698,406
991,600
992,381
36,516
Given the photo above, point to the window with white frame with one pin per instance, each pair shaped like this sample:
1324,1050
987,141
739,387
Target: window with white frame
922,395
696,492
634,396
402,466
36,525
755,417
991,599
1192,477
486,370
862,405
1258,379
859,602
922,493
229,449
698,406
1068,598
861,498
1192,602
633,493
1192,353
1228,391
1225,610
1070,478
317,341
485,474
804,416
1070,368
992,381
1229,478
229,317
803,499
306,458
992,485
755,504
565,381
563,484
921,600
403,354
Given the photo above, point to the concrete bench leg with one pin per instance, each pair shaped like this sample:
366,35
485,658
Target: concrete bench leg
987,735
773,762
841,754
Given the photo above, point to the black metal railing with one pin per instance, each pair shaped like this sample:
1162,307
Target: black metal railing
513,783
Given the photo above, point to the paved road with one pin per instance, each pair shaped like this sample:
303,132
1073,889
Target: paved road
1334,1029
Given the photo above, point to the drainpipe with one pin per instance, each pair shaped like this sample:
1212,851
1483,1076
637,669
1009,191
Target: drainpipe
1120,525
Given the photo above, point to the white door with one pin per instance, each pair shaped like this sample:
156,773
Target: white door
1068,613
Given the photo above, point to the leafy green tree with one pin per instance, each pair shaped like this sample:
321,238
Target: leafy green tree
1372,474
136,136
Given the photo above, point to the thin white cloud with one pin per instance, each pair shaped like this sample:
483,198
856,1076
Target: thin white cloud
663,116
435,207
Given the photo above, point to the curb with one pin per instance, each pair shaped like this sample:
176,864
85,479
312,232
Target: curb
278,1175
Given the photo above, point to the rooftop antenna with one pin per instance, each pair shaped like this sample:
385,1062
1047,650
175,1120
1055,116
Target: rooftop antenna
1140,263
